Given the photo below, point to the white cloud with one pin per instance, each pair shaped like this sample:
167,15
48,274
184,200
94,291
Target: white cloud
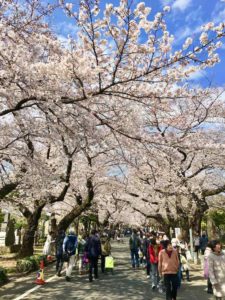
182,33
185,32
197,75
65,28
218,14
181,4
220,17
195,15
166,2
63,40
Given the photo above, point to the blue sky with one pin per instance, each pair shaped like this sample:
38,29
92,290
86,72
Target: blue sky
184,20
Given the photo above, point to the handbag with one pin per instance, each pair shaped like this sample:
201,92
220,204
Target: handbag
109,262
85,259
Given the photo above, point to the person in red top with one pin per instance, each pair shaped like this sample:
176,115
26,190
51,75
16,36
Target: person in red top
154,250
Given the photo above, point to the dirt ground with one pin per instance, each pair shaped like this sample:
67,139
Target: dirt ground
8,263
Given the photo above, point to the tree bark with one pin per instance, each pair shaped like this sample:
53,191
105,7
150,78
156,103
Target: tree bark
27,248
72,215
82,205
211,229
7,189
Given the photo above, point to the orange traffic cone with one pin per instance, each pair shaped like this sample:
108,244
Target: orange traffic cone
40,274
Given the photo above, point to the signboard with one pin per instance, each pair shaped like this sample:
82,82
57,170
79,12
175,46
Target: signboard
177,232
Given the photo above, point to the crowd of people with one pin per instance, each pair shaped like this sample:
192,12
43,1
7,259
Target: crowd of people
84,250
167,262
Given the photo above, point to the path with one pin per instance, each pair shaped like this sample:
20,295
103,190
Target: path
125,284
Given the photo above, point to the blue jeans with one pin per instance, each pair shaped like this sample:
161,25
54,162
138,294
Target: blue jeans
154,274
134,258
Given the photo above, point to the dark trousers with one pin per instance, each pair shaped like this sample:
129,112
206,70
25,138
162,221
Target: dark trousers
93,264
209,286
148,267
134,258
59,263
103,263
171,284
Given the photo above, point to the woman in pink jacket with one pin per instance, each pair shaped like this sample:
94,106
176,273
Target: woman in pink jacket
168,267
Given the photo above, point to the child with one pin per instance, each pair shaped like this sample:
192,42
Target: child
184,267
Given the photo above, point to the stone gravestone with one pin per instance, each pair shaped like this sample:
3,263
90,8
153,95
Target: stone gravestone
2,238
3,229
16,237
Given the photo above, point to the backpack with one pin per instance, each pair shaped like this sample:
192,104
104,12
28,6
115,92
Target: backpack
94,247
135,243
59,244
71,245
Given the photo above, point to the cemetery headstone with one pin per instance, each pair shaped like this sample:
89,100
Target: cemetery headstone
3,229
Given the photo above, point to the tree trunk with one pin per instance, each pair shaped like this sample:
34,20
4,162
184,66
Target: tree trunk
211,228
71,216
195,223
184,224
27,248
53,226
76,225
28,241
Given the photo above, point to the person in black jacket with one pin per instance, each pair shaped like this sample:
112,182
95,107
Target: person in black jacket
93,249
134,244
146,244
59,251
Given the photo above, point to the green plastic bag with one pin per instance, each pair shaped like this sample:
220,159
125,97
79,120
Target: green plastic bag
109,262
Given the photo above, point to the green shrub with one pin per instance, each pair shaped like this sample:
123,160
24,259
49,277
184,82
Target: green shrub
25,265
3,276
30,263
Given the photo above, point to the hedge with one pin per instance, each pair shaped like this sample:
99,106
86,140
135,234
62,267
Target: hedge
30,263
3,276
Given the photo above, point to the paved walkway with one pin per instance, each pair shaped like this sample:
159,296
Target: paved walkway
124,284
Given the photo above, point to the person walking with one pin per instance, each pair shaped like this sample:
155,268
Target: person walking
154,250
48,243
93,249
203,242
135,244
168,266
69,249
59,251
216,261
208,250
146,244
105,250
196,245
80,252
185,267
